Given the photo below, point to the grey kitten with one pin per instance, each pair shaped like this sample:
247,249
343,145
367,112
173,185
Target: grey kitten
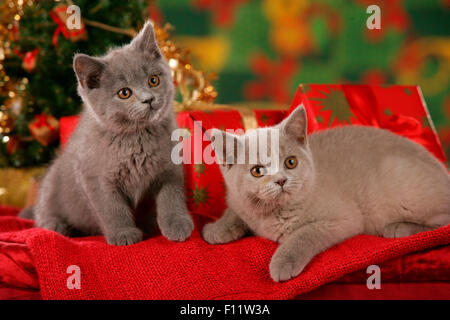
116,167
330,186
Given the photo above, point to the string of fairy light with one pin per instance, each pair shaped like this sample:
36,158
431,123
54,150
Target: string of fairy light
11,13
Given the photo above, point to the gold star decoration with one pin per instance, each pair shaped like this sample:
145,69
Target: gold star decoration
200,195
199,168
336,102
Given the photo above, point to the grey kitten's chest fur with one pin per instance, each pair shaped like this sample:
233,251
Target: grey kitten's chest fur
134,162
137,159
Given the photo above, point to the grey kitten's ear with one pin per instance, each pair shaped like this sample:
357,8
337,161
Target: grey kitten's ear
226,146
146,41
296,124
88,70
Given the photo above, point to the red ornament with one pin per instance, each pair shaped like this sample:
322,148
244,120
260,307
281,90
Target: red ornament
59,16
44,128
12,145
29,60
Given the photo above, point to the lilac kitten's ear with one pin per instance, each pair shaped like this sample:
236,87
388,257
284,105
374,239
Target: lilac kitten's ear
146,41
88,70
296,124
226,147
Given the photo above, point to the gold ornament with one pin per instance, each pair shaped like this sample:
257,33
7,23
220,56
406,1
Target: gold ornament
6,123
15,185
194,85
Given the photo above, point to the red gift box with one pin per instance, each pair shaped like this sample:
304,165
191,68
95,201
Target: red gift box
400,109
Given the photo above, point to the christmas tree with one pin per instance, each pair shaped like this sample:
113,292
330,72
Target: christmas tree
37,82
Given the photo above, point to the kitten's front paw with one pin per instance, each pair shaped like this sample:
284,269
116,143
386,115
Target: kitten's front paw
284,267
125,237
214,233
178,228
56,225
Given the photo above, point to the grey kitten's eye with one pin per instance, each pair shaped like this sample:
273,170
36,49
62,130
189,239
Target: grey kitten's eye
153,81
258,171
124,93
290,162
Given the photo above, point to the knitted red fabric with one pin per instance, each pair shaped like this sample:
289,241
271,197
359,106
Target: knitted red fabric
159,269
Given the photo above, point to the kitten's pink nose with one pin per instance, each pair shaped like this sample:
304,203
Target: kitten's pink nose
281,182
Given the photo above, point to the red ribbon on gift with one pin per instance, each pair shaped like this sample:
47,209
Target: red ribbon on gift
41,121
62,28
411,128
400,124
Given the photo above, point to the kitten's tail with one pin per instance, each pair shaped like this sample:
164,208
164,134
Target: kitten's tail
27,213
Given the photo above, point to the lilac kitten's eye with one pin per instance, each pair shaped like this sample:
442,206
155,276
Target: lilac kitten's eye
153,81
124,93
258,171
290,162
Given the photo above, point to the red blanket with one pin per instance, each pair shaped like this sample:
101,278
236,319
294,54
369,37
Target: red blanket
159,269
